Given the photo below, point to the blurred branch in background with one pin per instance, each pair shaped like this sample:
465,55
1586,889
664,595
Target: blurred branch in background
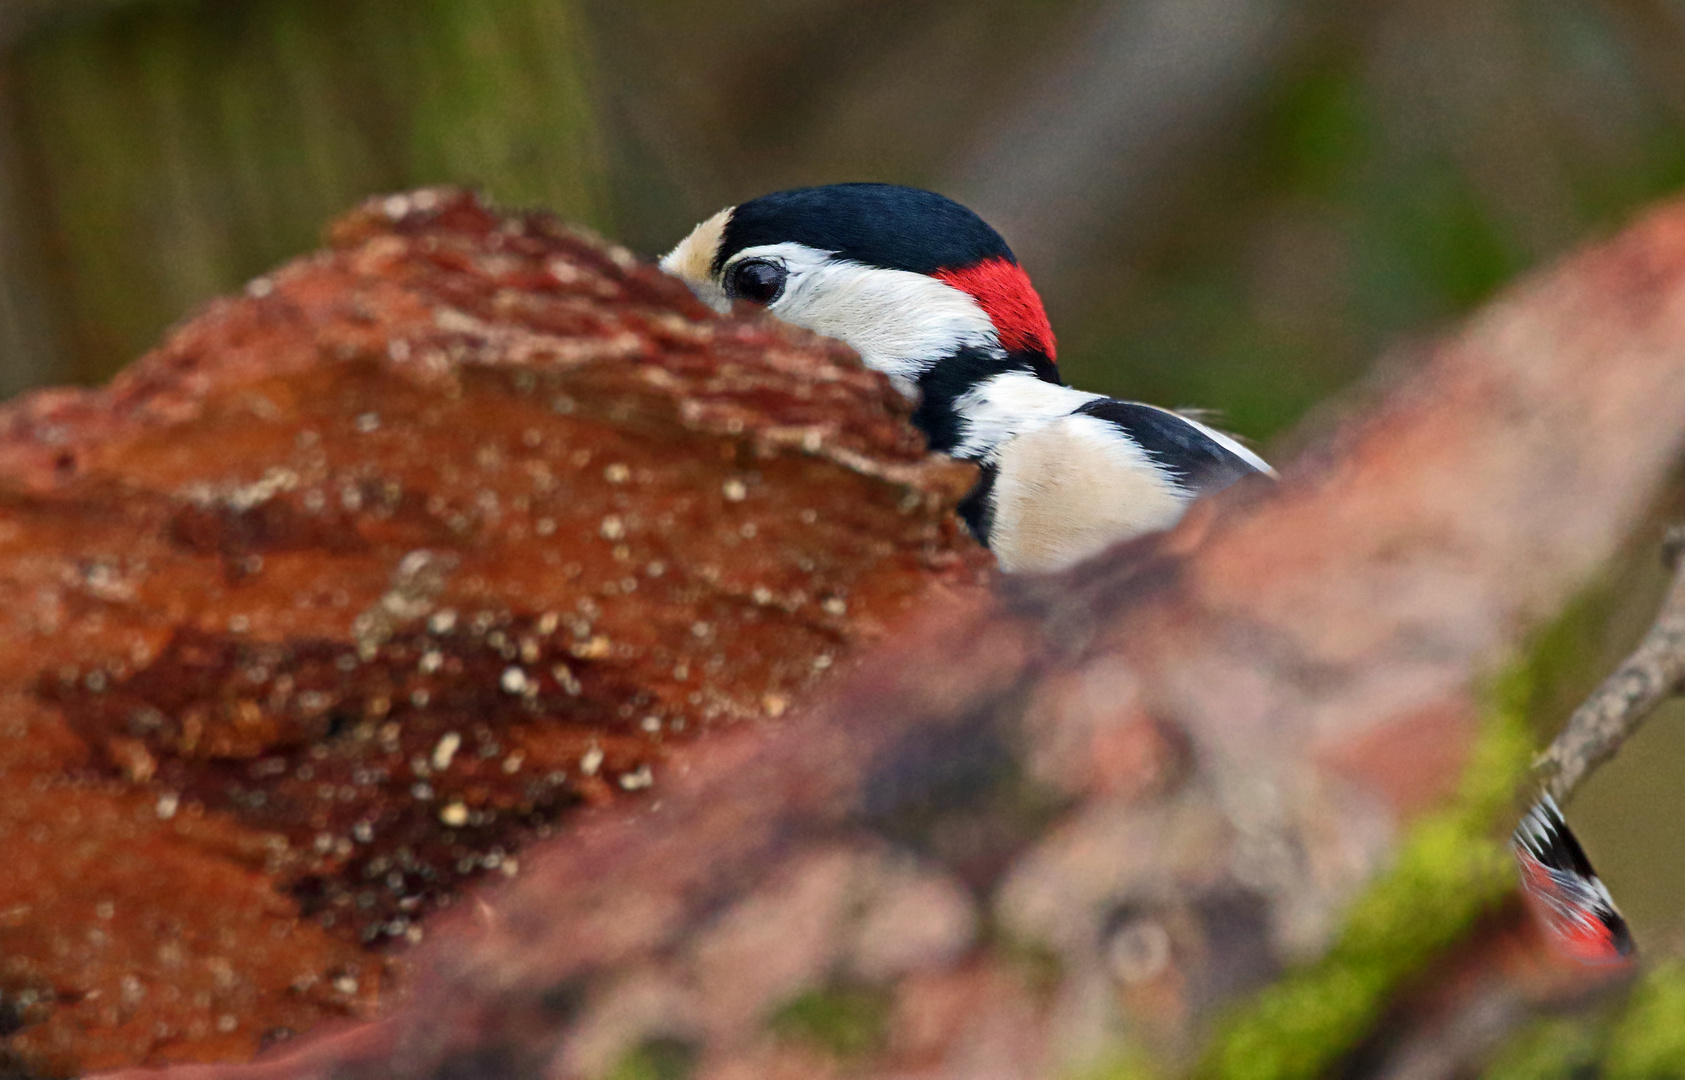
170,150
1228,203
1138,91
1401,164
27,355
712,103
19,17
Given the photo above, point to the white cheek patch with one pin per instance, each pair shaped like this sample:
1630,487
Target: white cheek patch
901,323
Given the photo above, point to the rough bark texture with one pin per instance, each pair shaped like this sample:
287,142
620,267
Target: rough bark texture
341,596
1093,810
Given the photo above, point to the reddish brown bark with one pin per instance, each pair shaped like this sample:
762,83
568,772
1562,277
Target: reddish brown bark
1167,770
1106,801
343,595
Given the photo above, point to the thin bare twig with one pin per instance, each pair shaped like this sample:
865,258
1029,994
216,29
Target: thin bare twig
1653,673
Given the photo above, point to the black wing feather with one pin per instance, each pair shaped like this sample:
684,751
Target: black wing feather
1198,462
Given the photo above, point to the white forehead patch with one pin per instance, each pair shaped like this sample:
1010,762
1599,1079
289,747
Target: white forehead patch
693,260
901,323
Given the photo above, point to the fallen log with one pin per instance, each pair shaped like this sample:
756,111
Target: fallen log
365,579
1208,801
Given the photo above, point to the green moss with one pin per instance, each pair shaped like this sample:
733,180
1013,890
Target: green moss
845,1022
1450,869
658,1059
1649,1038
1125,1062
1555,1048
1642,1039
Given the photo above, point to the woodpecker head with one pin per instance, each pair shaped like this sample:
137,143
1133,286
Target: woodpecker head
922,288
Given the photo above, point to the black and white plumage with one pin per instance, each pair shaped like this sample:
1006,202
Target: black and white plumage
927,293
1570,900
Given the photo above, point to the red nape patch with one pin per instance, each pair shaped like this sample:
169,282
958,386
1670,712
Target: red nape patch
1012,304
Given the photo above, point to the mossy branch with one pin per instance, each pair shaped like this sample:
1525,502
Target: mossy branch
1449,871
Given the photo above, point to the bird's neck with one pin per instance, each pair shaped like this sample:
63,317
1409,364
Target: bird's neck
973,400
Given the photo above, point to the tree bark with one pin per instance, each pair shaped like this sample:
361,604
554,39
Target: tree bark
1211,800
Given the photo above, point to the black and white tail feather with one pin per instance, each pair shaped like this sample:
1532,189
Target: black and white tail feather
1564,892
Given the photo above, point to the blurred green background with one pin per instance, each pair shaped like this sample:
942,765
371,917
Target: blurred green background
1234,204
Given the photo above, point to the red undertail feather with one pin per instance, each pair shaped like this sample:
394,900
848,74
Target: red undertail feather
1577,913
1011,302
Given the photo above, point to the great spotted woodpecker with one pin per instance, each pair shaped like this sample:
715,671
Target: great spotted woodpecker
927,293
1565,894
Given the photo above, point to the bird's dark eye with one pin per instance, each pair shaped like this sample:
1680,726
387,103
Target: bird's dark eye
757,281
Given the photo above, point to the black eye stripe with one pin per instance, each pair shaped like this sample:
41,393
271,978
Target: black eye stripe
759,281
